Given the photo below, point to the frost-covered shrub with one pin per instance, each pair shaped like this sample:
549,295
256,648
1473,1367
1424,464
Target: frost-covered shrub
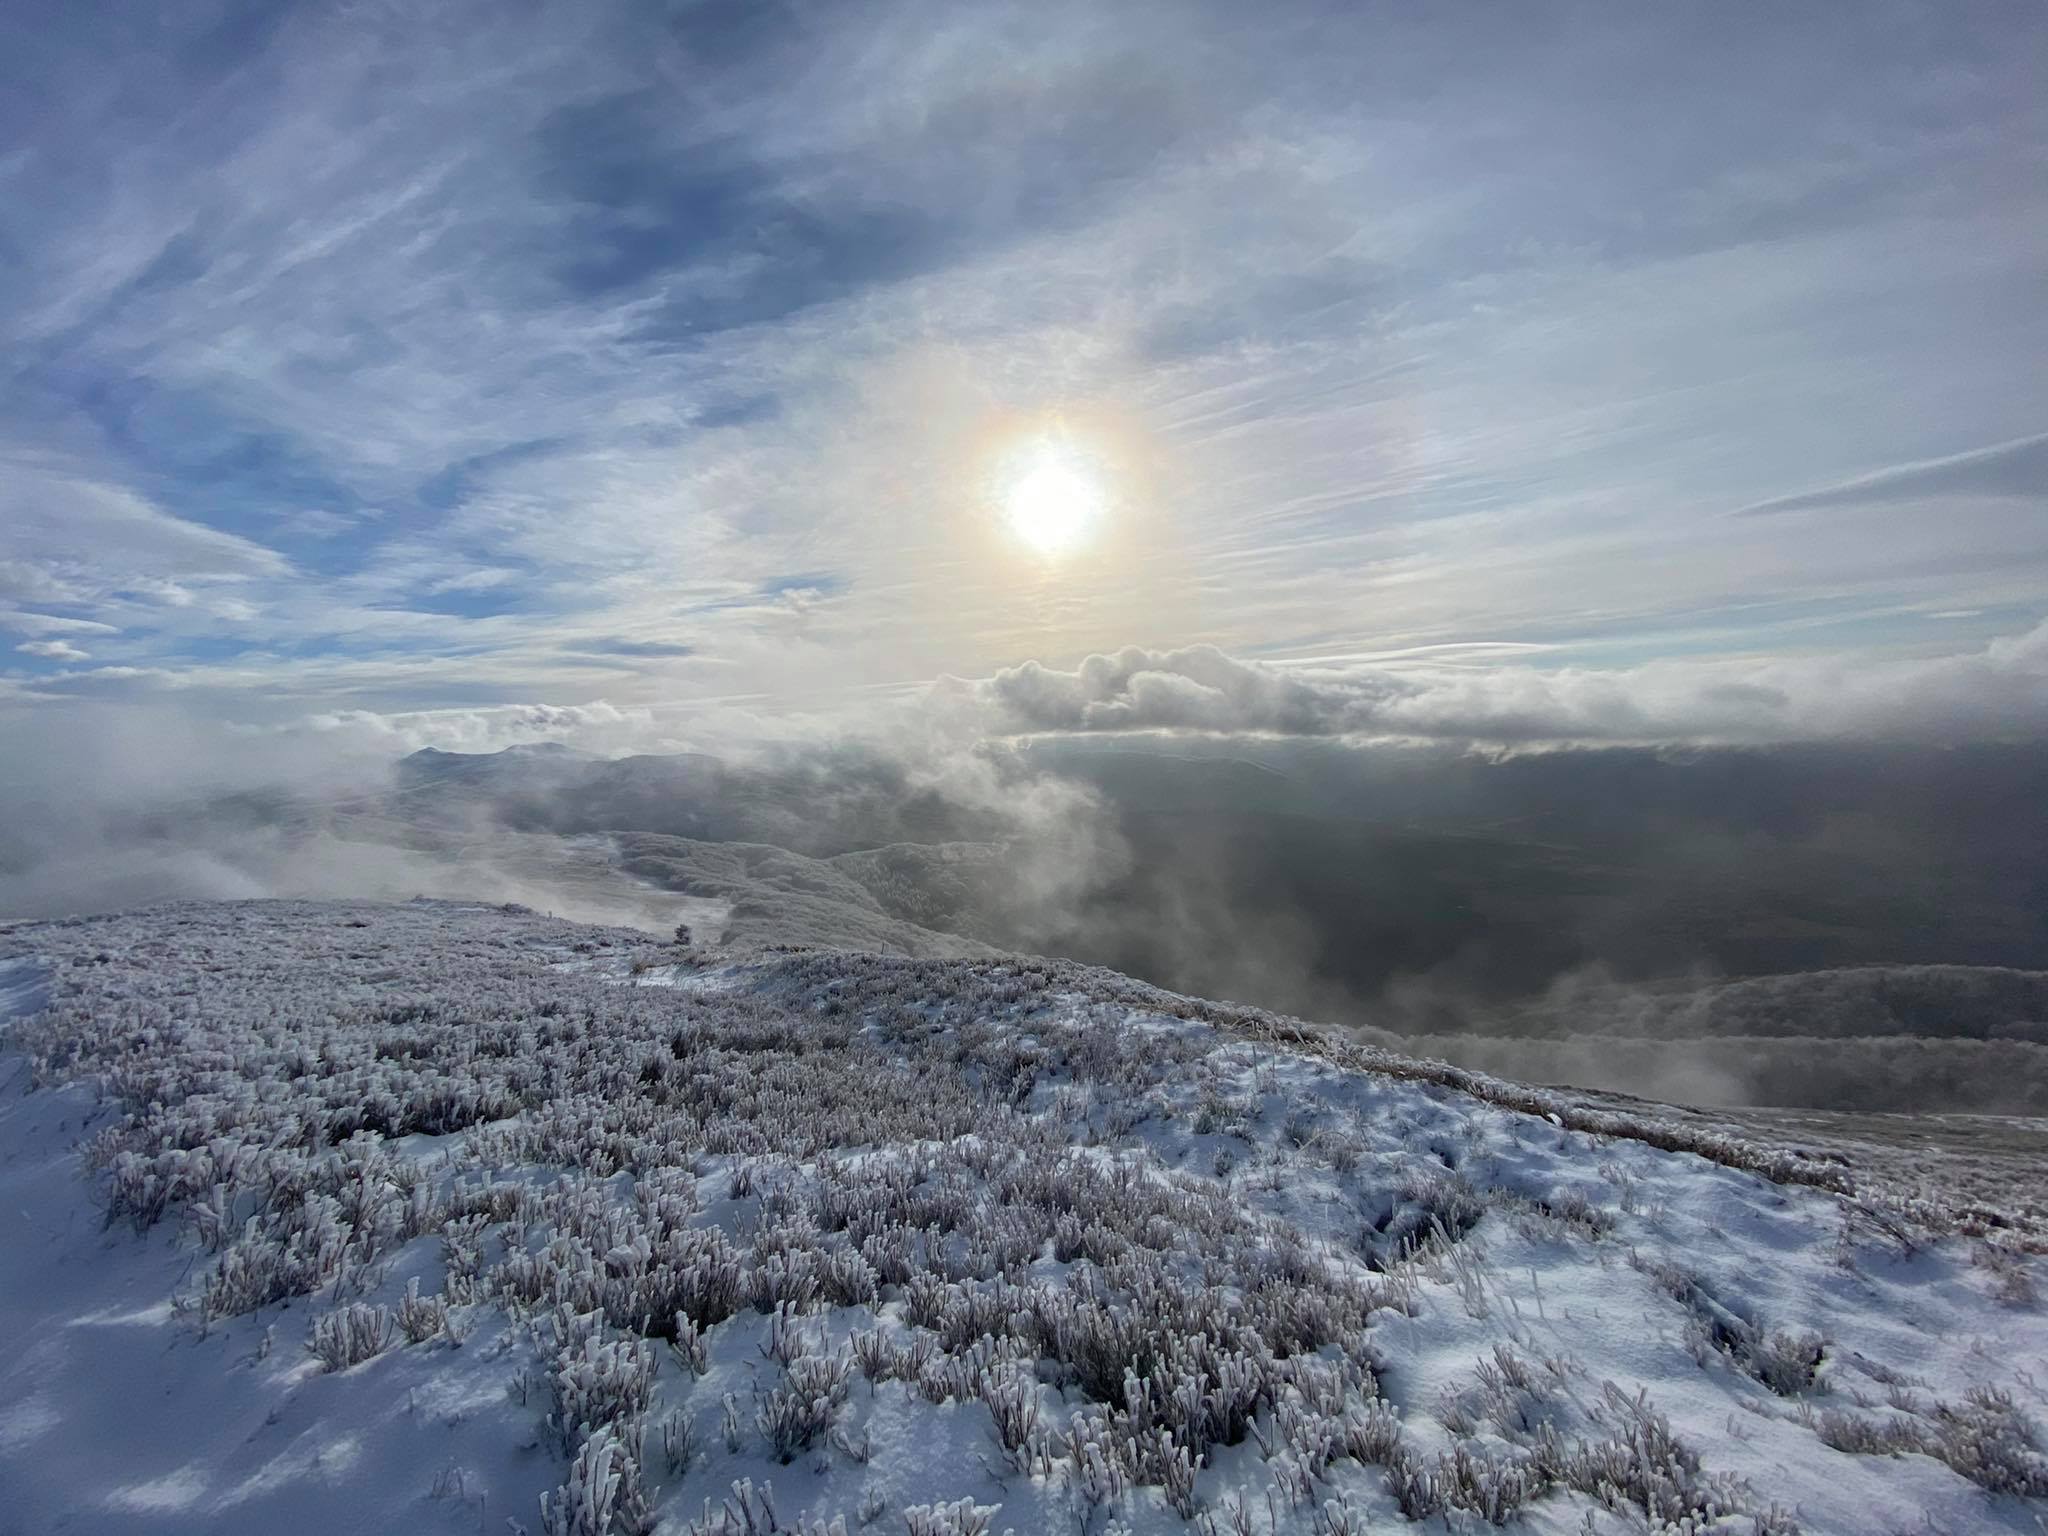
1491,1487
873,1354
1785,1362
678,1443
602,1495
788,1279
800,1410
1012,1402
595,1381
2011,1281
1371,1433
1641,1463
1095,1460
793,1422
1572,1209
688,1345
1988,1440
421,1318
270,1263
1415,1486
349,1335
1429,1206
962,1518
750,1511
1985,1438
1507,1391
1861,1435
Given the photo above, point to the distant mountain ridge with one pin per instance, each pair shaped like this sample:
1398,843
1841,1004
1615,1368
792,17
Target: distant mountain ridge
809,806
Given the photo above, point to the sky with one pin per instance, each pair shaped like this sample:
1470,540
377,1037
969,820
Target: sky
470,374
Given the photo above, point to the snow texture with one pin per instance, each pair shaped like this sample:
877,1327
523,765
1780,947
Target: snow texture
335,1217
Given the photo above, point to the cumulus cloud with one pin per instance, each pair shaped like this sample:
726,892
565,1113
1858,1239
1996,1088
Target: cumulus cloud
1197,688
1998,691
597,725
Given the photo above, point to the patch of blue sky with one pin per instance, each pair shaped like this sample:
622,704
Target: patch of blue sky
818,583
470,602
459,481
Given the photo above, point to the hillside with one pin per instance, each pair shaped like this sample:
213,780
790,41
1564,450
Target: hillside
450,1218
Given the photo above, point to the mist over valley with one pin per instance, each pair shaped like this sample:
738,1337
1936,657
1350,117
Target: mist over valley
1850,926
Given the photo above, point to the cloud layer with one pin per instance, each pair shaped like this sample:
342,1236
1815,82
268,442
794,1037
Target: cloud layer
2000,691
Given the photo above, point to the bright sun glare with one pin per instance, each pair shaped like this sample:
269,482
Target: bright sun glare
1051,498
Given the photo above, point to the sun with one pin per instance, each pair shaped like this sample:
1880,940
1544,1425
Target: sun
1052,497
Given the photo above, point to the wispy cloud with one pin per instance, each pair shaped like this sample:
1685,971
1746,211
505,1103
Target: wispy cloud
633,648
22,623
2015,471
53,650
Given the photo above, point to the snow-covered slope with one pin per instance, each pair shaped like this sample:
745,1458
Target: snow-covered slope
435,1218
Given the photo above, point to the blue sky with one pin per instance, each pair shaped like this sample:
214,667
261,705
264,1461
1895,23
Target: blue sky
419,362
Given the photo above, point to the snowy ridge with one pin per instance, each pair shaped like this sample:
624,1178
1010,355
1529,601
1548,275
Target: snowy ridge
426,1218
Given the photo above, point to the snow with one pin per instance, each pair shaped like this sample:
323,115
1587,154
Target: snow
24,984
1521,1287
121,1417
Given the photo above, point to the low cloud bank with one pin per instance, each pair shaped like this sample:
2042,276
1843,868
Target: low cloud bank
2000,691
1784,1072
1848,921
1876,1037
